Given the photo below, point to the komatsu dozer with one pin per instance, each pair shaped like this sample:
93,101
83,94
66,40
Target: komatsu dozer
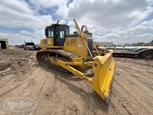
75,53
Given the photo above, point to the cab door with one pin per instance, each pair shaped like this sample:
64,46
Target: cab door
60,35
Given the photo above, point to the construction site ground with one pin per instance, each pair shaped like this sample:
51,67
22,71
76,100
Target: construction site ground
27,88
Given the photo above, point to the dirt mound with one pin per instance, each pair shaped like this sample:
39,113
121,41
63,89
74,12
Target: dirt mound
15,61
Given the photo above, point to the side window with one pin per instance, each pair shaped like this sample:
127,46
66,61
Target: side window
50,32
61,34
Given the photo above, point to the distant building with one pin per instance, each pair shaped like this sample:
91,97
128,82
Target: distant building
4,43
104,43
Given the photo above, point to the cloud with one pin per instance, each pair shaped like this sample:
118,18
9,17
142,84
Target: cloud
120,21
140,33
110,13
48,3
19,14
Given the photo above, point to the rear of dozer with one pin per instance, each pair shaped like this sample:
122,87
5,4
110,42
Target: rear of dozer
75,53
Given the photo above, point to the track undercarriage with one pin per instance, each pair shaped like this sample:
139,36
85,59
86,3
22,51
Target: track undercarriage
44,57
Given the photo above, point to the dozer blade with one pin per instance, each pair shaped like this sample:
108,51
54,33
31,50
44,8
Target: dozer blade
103,75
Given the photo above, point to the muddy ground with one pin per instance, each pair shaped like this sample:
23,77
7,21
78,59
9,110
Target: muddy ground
27,88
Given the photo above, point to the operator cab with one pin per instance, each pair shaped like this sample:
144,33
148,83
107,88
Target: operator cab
58,32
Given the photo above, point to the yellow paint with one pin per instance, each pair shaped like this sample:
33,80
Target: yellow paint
77,46
103,74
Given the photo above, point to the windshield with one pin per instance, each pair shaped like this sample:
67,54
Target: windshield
62,31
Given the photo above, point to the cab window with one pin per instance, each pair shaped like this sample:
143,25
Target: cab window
50,32
61,34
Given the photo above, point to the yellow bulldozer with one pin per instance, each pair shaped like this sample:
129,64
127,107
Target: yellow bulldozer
75,53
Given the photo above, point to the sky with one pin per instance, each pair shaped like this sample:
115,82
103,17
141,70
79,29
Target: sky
120,21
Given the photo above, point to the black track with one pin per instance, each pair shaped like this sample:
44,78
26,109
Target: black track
42,58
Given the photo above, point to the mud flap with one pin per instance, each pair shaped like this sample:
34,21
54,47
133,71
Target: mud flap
103,75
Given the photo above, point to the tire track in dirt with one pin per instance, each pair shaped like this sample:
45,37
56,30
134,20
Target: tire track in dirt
129,101
135,91
132,80
43,82
138,93
44,95
38,98
5,82
124,107
26,89
9,90
14,82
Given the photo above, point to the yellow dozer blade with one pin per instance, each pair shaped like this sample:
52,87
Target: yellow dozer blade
103,75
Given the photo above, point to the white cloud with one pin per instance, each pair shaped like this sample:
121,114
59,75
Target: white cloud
140,33
18,14
118,21
110,13
48,3
109,20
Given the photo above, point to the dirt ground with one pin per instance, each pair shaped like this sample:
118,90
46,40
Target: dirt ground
27,88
